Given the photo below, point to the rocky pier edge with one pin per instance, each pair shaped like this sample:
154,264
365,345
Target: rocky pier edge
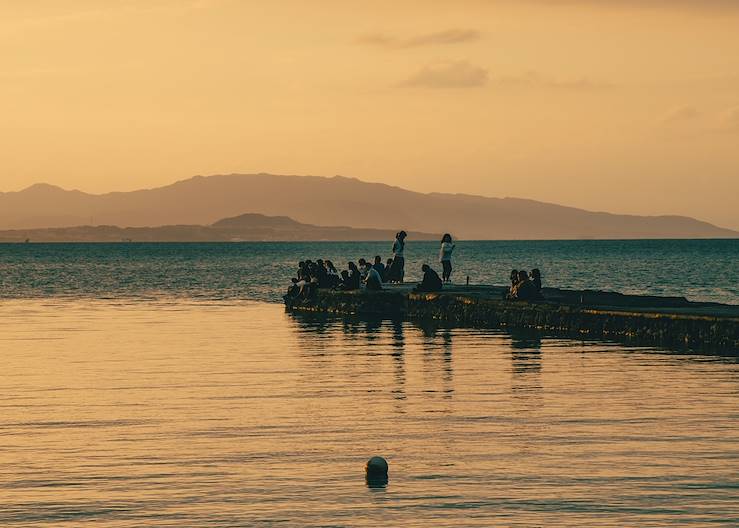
669,322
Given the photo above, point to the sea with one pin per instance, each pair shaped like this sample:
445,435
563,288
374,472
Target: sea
165,385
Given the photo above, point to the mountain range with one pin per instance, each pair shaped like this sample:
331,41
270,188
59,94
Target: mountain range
334,201
246,227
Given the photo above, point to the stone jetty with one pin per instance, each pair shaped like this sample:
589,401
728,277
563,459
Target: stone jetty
670,322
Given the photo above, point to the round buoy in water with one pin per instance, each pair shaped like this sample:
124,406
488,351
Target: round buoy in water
377,467
376,472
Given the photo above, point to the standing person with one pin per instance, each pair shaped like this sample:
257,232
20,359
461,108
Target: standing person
397,270
445,257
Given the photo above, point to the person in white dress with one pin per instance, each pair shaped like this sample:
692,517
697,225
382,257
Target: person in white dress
445,257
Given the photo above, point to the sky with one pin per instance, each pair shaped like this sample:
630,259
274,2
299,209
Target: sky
624,106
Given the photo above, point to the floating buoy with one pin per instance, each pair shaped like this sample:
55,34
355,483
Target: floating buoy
377,469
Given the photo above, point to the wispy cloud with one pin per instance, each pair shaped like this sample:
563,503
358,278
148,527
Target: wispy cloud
462,74
666,4
536,80
680,114
449,74
450,36
730,120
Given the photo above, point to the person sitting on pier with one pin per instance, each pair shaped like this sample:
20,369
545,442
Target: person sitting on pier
431,281
388,267
363,268
536,279
379,266
373,281
353,278
514,278
333,275
293,290
321,273
524,290
303,288
343,281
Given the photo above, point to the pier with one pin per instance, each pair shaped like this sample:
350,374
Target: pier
670,322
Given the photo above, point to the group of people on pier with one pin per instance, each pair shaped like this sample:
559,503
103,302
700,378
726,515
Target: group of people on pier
313,275
525,287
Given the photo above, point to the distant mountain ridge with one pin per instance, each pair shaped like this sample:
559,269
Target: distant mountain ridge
247,227
338,200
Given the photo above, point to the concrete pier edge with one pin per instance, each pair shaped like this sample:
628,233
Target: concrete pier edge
669,322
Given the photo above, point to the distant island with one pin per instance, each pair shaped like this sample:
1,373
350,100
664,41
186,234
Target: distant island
191,208
246,227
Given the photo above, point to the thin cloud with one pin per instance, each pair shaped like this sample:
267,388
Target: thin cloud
449,74
680,114
536,80
462,74
730,121
661,4
450,36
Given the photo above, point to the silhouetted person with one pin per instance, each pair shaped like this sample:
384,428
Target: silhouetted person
354,277
293,290
445,257
397,271
373,279
536,279
363,267
388,268
333,275
321,273
431,281
514,278
379,266
524,290
344,283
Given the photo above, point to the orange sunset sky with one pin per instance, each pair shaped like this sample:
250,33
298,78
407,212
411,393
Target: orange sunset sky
619,105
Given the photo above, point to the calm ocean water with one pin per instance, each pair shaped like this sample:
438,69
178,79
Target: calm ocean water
701,270
152,385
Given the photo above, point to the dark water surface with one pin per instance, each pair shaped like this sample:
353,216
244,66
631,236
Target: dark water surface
150,385
238,414
701,270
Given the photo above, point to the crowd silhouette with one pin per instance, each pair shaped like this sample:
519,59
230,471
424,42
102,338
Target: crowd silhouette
374,275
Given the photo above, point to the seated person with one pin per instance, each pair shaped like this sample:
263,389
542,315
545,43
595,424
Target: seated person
293,290
344,281
379,266
332,274
524,290
303,288
388,266
514,278
321,273
363,267
431,281
351,279
536,279
373,280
